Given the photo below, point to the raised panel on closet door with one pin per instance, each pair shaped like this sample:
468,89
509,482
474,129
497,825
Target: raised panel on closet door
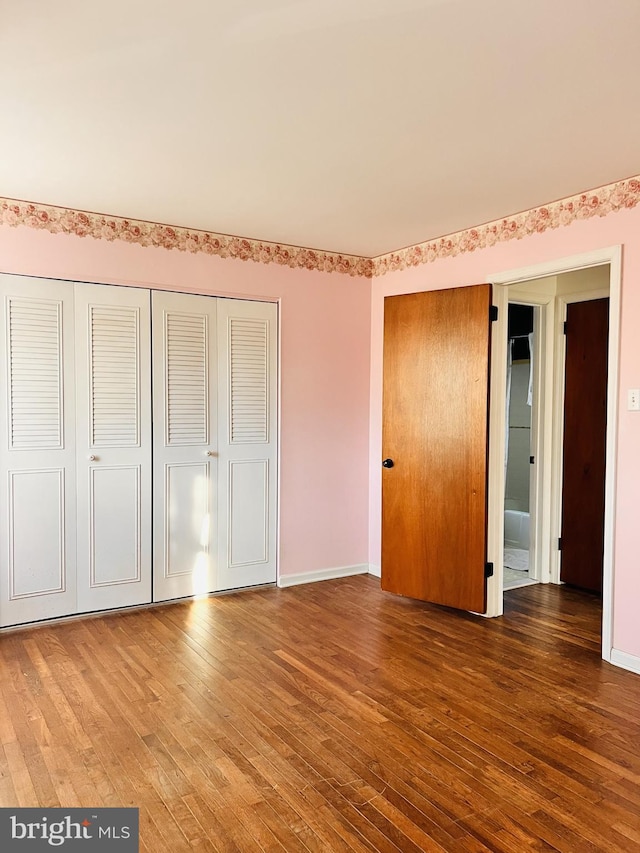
184,444
37,451
113,385
247,353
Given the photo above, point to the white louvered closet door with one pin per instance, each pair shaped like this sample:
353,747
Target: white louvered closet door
247,411
37,451
113,397
185,443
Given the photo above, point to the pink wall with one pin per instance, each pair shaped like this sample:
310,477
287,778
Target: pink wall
329,419
324,373
476,267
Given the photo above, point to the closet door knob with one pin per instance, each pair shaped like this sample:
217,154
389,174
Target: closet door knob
387,463
211,453
92,458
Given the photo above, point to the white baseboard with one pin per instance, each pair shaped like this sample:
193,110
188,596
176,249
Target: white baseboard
323,575
374,570
625,660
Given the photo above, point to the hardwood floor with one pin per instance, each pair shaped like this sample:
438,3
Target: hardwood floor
331,717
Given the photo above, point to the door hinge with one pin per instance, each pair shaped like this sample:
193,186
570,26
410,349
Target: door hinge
488,570
493,313
564,328
560,544
532,460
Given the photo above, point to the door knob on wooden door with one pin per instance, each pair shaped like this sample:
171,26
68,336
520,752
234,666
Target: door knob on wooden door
388,463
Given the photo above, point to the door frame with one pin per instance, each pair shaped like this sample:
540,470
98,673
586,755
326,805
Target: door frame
495,533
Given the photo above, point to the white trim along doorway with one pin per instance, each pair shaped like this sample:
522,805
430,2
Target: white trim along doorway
549,427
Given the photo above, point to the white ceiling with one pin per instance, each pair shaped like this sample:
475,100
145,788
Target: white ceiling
357,126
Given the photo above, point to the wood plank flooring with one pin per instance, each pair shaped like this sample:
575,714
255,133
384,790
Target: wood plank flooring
331,717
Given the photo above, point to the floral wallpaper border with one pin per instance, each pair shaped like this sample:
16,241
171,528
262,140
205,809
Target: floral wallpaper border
59,220
599,202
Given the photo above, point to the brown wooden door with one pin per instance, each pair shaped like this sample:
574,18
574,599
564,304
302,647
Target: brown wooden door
435,430
584,445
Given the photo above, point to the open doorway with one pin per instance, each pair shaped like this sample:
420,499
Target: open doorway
519,569
544,295
551,529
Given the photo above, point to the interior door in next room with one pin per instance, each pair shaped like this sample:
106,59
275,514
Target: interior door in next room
584,444
435,442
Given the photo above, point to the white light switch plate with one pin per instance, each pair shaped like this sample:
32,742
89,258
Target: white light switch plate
633,399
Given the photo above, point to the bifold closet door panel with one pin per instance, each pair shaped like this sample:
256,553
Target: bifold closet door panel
247,411
37,451
185,440
113,446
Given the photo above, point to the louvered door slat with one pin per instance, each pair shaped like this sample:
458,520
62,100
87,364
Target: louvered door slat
114,404
35,377
248,381
186,379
